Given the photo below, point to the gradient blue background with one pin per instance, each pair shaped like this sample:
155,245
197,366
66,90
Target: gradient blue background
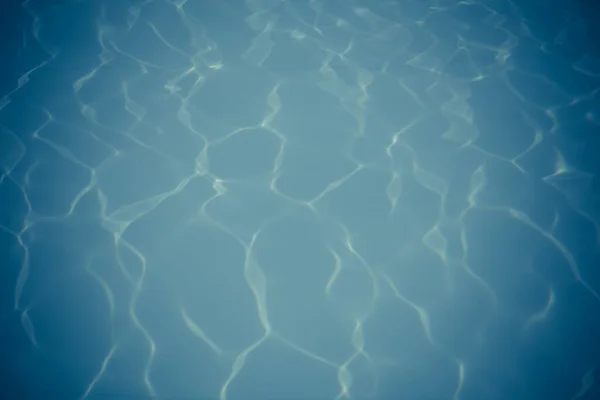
461,139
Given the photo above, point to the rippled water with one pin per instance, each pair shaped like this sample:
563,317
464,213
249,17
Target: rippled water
299,199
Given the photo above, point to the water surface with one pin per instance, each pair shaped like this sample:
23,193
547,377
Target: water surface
300,199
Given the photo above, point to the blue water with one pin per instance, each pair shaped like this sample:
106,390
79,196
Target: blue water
299,199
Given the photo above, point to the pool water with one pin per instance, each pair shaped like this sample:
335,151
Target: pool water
300,199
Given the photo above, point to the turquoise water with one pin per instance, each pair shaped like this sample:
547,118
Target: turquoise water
299,199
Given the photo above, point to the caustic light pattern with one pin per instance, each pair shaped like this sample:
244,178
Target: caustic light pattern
300,199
